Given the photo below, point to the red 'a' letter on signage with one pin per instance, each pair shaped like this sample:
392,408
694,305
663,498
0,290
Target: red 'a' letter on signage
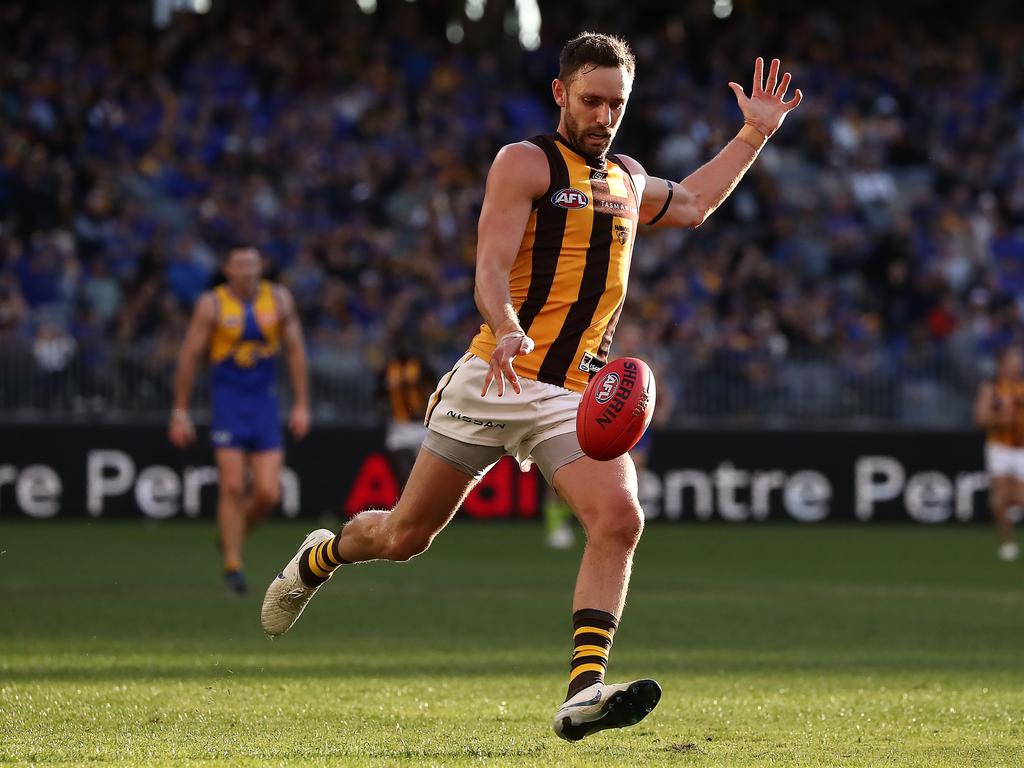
374,488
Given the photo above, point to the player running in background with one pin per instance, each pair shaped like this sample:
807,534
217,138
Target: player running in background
556,233
243,324
1000,410
406,383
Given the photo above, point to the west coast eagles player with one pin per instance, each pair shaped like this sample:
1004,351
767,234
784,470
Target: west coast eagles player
243,325
1000,410
559,218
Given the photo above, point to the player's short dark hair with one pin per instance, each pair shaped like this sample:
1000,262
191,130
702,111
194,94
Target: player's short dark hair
594,49
237,246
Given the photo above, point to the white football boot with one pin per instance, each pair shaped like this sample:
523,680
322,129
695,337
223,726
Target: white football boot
1009,551
287,594
562,537
601,706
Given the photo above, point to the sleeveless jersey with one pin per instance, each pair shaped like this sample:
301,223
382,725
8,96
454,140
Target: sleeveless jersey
568,280
407,389
1011,434
246,341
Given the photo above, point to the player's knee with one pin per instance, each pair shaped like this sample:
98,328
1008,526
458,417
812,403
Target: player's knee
406,544
266,497
619,525
232,488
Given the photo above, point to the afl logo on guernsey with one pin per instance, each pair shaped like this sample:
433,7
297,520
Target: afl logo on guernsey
570,198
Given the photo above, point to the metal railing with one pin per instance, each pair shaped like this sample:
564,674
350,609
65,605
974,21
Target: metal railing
128,387
815,389
804,389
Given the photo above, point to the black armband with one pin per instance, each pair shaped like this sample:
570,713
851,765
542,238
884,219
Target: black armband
664,208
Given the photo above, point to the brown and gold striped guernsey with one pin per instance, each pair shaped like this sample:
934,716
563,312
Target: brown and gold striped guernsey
568,281
407,389
1011,434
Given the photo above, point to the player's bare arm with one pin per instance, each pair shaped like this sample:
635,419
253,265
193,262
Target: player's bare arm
295,357
989,408
689,202
181,431
517,177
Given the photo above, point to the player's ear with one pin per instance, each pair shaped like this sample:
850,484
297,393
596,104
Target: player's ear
558,90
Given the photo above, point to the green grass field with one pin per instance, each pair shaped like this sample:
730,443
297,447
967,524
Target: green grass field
776,646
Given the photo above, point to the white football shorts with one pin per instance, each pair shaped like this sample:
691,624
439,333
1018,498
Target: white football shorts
516,424
1004,460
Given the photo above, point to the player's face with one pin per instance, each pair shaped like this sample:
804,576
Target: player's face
593,103
243,269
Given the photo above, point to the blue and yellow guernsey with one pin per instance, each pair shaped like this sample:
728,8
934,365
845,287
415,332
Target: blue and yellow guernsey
246,342
244,348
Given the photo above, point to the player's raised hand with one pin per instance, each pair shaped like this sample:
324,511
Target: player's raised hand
508,348
764,110
298,421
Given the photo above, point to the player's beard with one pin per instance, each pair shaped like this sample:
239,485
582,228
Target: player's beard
578,138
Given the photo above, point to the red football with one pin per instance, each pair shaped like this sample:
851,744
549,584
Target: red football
617,406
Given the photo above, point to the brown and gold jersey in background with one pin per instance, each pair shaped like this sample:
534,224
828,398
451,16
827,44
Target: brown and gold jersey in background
1009,391
406,384
568,281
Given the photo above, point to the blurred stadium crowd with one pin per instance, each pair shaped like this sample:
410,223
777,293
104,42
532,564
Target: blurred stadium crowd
867,268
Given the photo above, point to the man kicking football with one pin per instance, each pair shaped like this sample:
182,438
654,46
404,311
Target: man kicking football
556,234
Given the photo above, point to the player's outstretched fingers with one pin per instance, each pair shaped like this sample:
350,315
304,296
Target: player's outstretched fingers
488,378
510,374
783,86
499,379
773,75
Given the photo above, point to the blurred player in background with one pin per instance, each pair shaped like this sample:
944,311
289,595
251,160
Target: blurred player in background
558,528
406,383
555,238
1000,410
243,325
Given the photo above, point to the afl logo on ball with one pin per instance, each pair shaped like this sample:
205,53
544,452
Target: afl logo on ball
607,388
570,198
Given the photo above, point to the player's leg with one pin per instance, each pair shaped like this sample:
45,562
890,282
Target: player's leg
265,490
434,491
1006,492
1000,493
230,516
443,474
1003,469
603,496
264,444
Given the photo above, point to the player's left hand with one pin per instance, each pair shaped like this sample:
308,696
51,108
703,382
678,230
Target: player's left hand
765,110
298,422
